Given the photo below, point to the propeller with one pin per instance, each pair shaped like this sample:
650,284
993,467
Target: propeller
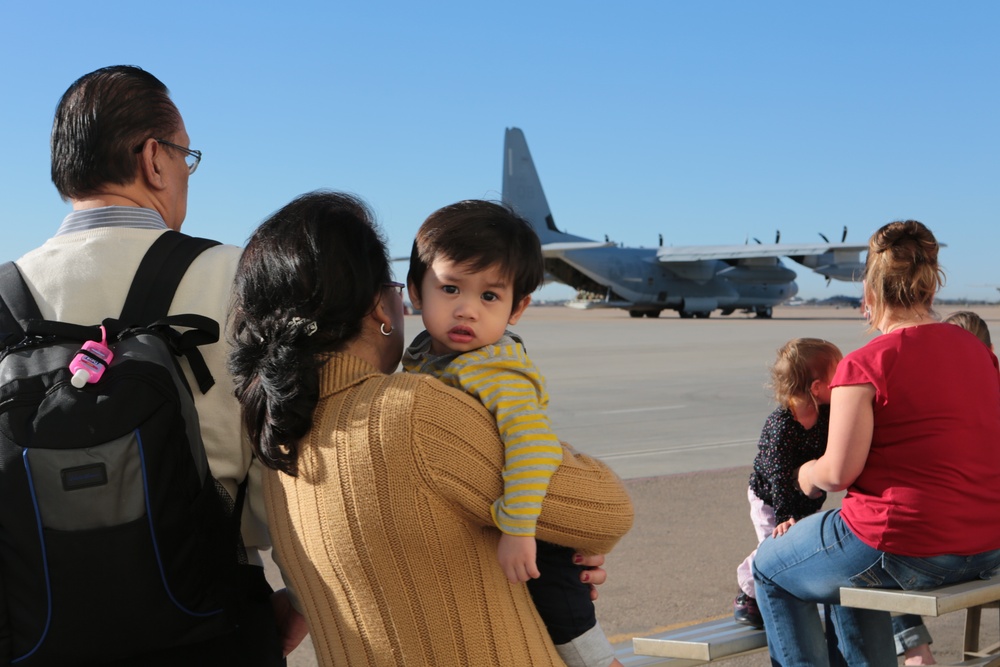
823,236
757,240
843,237
777,235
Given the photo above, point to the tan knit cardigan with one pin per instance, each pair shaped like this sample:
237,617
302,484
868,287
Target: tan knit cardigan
386,533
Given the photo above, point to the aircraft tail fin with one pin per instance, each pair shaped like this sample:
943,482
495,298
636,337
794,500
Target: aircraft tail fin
522,189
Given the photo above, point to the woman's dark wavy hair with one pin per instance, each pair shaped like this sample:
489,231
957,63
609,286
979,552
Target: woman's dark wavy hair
99,122
319,259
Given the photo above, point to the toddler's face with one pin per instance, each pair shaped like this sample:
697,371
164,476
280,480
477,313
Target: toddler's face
464,310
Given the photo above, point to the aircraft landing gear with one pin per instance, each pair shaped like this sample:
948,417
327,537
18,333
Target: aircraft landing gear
685,314
635,313
652,314
764,313
703,315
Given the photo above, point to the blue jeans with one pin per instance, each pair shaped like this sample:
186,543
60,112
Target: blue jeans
811,562
909,631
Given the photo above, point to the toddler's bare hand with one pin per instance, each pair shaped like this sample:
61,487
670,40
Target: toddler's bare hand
516,554
782,528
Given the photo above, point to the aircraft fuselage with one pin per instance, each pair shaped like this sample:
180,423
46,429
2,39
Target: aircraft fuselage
634,275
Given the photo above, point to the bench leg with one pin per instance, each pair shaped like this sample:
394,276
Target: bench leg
973,615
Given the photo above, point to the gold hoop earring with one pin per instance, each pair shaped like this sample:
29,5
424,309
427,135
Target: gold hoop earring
382,330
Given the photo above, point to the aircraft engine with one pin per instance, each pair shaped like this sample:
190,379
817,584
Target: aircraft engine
699,272
771,275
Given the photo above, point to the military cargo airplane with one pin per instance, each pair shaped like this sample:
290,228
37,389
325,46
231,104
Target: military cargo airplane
693,280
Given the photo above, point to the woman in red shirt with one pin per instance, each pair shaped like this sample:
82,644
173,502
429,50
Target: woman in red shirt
914,422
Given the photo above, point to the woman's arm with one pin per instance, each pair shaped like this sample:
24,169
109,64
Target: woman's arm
585,498
852,420
461,456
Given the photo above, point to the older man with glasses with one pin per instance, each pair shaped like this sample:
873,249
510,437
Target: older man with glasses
122,157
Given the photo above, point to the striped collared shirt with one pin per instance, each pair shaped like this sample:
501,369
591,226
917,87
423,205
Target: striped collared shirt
111,216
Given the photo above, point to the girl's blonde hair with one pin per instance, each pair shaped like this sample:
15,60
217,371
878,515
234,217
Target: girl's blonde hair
972,323
902,269
800,362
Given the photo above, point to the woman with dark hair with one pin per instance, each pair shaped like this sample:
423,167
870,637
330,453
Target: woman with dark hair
914,426
380,500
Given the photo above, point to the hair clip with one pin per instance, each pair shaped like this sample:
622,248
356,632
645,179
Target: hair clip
308,327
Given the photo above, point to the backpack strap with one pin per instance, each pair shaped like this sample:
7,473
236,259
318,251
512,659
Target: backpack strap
234,508
17,306
152,291
20,317
158,276
153,287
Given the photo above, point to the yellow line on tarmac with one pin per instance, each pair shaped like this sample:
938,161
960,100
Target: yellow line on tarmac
617,639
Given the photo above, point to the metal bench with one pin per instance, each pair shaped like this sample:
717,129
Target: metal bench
628,658
699,644
972,596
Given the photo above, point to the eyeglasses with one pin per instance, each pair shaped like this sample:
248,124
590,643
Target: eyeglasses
396,286
193,157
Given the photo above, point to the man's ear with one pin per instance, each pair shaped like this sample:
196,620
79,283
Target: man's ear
515,314
151,164
411,289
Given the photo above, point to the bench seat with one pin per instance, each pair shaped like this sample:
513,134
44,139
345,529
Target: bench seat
701,643
628,658
932,602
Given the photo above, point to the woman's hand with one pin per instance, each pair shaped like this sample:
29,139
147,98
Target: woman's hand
595,575
292,627
804,480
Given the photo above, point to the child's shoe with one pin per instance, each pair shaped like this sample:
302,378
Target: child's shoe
745,611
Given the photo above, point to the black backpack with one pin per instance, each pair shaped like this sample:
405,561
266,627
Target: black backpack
115,539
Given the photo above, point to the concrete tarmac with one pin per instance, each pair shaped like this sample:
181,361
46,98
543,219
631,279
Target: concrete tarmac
675,407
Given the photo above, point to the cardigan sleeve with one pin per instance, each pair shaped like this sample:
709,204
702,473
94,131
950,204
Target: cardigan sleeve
461,457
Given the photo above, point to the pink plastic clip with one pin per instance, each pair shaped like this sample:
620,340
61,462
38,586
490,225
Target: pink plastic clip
90,362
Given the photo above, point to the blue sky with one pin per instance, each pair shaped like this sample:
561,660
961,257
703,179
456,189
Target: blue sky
706,121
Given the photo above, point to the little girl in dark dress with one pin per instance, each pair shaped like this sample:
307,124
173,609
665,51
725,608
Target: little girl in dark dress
793,434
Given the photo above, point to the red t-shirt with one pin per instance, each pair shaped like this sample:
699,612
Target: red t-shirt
931,484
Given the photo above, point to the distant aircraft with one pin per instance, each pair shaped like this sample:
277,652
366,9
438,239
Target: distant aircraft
693,280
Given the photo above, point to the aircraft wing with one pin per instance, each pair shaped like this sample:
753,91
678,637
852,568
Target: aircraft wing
556,249
840,261
757,250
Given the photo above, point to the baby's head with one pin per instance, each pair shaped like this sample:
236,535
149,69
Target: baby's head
478,249
804,368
